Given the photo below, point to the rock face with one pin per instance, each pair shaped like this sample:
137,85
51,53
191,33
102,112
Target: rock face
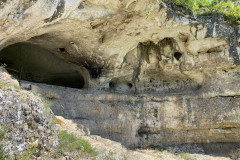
184,69
25,121
148,120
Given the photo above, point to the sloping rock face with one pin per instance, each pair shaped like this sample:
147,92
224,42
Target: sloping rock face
24,120
184,69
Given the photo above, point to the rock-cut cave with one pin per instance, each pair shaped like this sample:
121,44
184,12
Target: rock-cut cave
33,63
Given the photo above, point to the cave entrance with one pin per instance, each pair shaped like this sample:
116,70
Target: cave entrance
33,63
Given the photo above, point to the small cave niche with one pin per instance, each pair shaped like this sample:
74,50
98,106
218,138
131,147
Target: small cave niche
81,5
168,46
62,49
30,62
216,49
177,55
120,85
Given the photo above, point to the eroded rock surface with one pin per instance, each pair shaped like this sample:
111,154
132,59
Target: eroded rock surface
186,71
148,119
24,121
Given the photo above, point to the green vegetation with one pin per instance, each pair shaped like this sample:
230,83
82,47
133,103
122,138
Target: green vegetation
47,104
70,143
2,84
3,131
27,154
112,156
134,110
228,8
3,155
160,148
6,85
185,156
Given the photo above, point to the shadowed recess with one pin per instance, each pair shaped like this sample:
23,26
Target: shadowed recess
177,55
33,63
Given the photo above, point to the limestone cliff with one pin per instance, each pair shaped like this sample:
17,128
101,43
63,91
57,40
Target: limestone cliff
187,76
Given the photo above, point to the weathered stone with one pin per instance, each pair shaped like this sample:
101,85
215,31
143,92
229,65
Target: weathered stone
60,121
25,119
148,119
188,69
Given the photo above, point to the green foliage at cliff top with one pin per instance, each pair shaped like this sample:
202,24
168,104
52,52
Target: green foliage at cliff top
228,8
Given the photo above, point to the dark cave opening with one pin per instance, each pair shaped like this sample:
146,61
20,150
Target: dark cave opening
177,55
111,85
33,63
62,49
95,72
120,85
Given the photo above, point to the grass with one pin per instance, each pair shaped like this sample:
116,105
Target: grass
47,104
6,85
185,156
27,154
2,84
3,131
3,154
160,148
134,110
129,102
70,143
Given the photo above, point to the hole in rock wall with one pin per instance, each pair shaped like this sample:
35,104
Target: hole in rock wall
177,55
168,48
120,85
33,63
216,49
62,49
